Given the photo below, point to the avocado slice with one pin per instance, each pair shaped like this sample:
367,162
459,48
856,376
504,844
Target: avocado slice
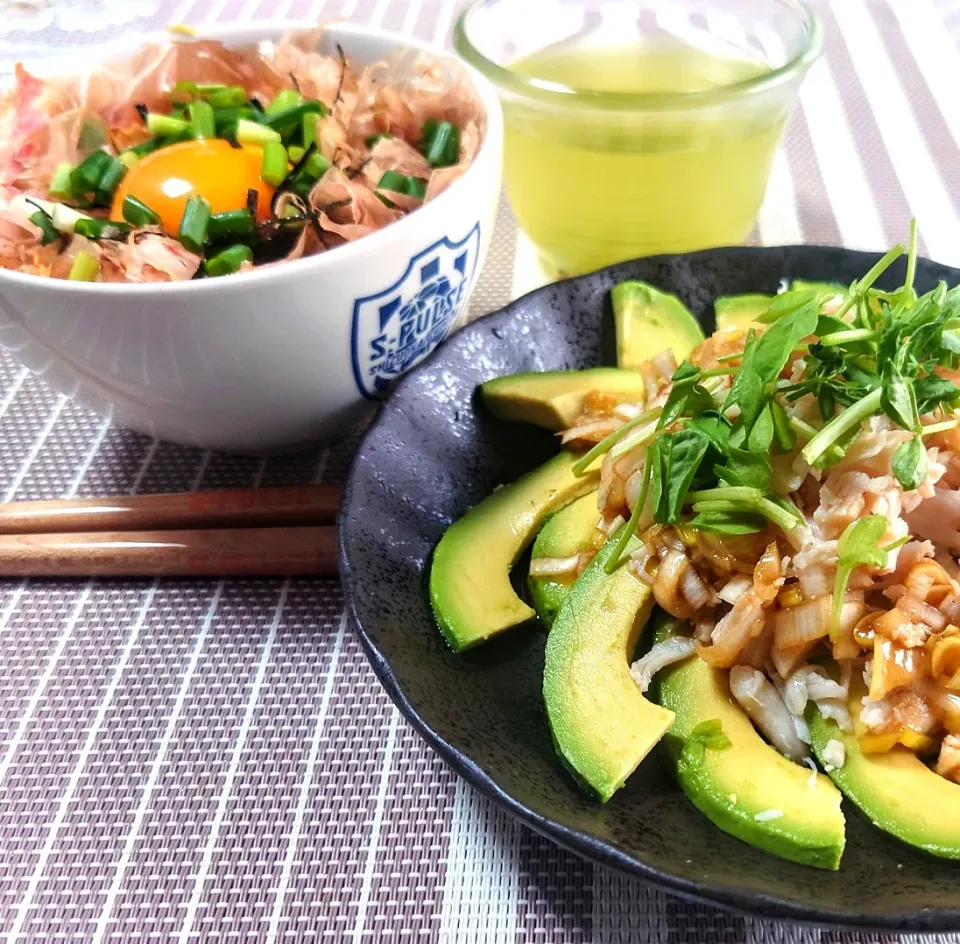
731,787
896,791
470,589
648,321
739,311
571,530
554,399
602,726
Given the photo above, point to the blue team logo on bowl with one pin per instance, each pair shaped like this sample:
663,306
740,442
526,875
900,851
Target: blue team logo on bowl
398,327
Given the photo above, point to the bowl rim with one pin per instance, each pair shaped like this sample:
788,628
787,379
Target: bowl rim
319,263
590,847
558,94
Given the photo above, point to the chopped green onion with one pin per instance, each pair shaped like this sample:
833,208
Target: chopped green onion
374,138
249,132
48,231
416,187
296,153
165,125
146,147
202,124
317,165
309,129
184,91
176,138
392,180
226,119
442,147
284,100
101,229
223,96
273,169
85,178
65,218
85,268
128,158
138,213
399,183
231,223
60,185
194,223
110,180
291,118
228,261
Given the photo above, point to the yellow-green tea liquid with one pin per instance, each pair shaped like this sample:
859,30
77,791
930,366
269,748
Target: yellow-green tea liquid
591,188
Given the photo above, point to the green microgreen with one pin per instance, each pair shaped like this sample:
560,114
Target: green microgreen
858,545
709,451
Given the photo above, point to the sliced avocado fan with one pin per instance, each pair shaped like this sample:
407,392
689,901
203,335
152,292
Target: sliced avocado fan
470,589
648,321
602,725
747,788
570,531
554,399
896,791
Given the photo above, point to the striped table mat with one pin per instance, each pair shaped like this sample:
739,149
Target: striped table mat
216,761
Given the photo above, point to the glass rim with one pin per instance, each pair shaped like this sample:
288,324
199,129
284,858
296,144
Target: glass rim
555,93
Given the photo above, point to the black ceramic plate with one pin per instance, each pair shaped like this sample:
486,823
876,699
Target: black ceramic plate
432,453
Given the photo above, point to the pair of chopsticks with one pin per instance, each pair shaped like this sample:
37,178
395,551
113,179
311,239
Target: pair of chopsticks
245,532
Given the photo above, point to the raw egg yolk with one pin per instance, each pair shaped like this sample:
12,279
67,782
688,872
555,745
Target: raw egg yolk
164,179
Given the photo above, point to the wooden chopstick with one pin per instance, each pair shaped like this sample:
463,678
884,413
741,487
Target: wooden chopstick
237,552
221,508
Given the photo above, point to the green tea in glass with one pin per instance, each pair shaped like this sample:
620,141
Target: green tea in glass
634,128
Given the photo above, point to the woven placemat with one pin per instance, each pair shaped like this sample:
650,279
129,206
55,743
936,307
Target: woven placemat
216,761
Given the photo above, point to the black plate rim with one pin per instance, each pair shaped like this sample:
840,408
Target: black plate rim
583,844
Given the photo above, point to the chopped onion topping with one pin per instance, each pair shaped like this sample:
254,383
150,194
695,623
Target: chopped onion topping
735,588
767,815
834,754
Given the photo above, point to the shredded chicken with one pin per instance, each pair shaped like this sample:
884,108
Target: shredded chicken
766,709
668,652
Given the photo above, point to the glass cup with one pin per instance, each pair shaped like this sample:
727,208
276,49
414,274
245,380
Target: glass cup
635,127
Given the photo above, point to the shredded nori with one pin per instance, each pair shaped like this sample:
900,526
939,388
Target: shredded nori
343,73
